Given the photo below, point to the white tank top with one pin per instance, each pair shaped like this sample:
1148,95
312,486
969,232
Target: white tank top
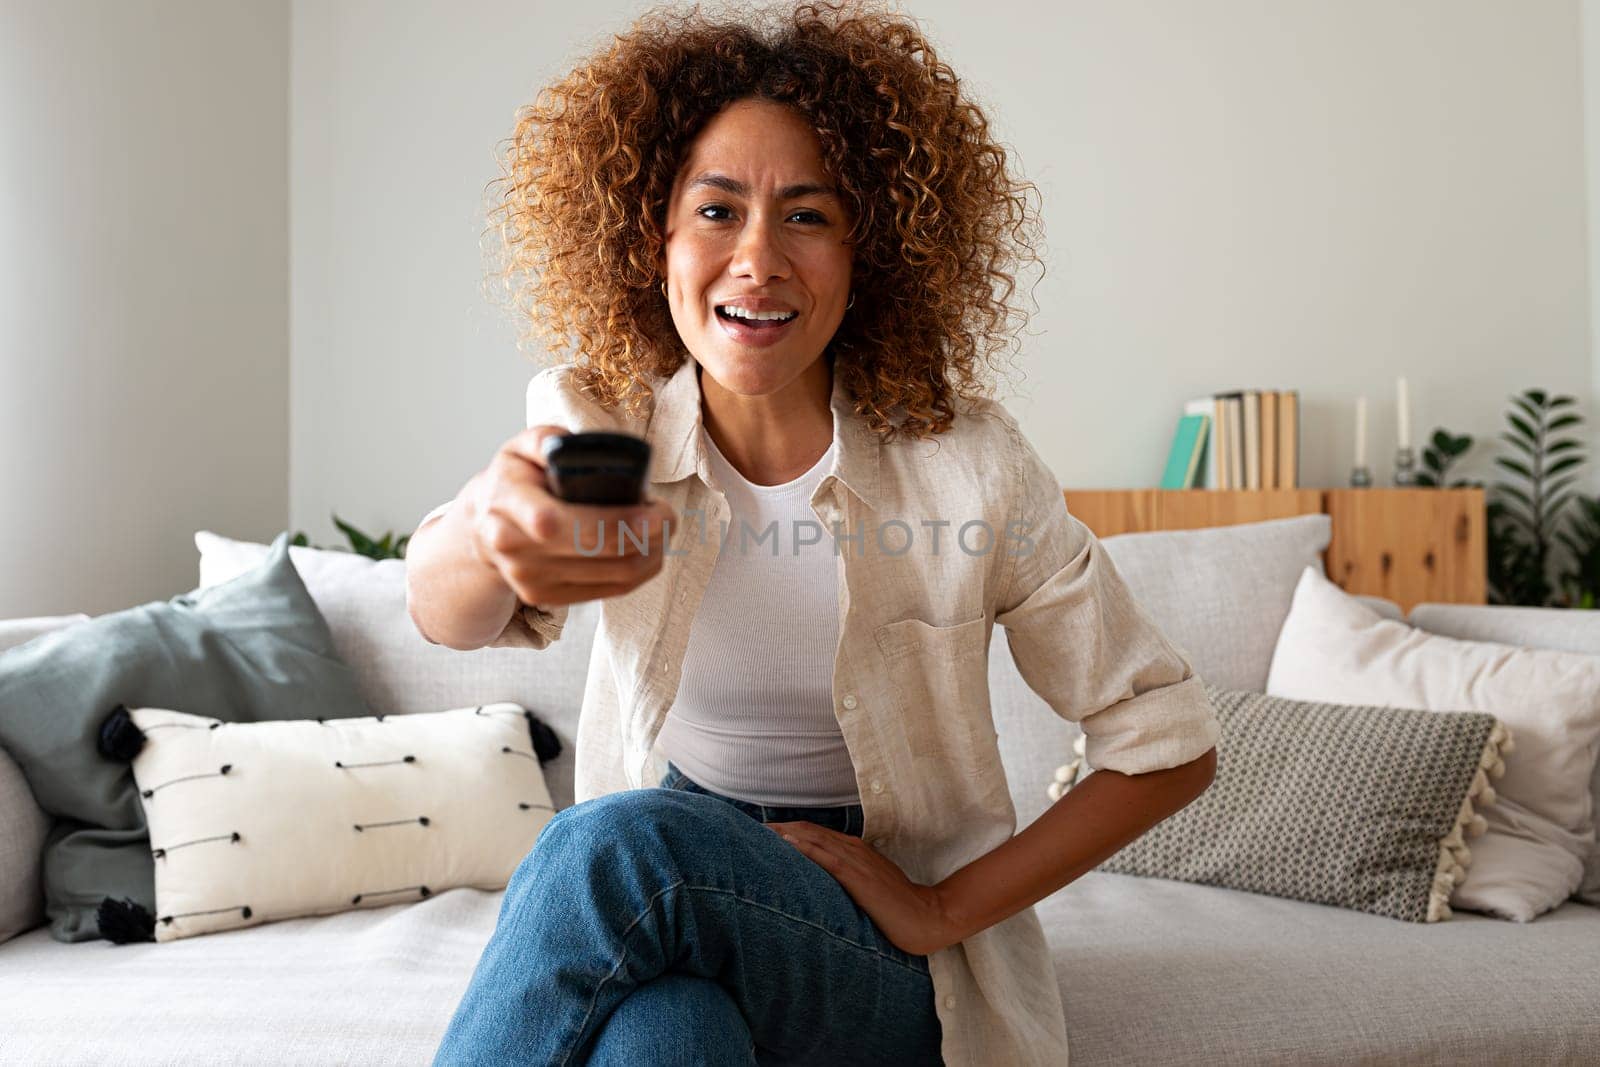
754,718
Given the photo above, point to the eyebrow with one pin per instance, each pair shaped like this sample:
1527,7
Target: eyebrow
739,188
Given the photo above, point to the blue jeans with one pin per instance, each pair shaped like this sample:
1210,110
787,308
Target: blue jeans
668,926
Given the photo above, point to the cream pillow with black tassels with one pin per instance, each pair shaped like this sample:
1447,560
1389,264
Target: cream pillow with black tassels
255,822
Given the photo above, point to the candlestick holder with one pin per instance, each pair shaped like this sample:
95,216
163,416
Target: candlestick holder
1405,467
1360,478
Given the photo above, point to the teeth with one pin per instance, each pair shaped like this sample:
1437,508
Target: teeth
757,316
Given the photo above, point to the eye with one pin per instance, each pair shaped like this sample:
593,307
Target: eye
812,217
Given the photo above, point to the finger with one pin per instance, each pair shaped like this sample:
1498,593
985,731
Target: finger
574,531
529,444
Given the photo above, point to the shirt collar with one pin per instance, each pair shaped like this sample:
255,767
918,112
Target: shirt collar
677,452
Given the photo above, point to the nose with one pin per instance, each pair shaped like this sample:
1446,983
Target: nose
758,255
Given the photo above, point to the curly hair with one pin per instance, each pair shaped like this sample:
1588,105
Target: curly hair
939,223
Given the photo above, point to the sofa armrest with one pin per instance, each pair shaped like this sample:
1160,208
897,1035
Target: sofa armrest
23,826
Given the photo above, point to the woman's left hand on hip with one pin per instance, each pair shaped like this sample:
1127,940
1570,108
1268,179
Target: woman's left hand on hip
912,916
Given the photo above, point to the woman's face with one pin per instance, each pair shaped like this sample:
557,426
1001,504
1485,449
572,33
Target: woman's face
753,219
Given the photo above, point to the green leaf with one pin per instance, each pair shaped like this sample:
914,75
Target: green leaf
1527,431
1561,401
1460,445
1554,504
1563,445
1565,463
1535,395
1553,487
1516,466
358,540
1430,459
1527,447
1569,419
1497,506
1534,413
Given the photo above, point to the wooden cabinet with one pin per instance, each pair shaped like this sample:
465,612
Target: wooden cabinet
1409,545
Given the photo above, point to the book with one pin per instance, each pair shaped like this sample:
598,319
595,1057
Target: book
1221,435
1183,460
1269,439
1289,440
1206,476
1235,406
1250,429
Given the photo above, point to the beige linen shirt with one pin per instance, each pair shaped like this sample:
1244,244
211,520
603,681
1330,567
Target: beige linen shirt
917,601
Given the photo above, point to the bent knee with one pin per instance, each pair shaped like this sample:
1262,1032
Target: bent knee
661,822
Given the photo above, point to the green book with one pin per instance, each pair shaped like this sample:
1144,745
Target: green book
1184,459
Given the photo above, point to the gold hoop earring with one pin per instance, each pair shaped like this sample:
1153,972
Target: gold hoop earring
852,303
664,295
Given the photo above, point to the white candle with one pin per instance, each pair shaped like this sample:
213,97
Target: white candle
1403,404
1361,431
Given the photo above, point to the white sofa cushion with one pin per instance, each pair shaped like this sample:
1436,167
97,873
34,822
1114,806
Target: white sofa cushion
1221,593
1542,828
23,824
1151,971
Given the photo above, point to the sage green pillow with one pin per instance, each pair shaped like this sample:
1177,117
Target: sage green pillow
249,650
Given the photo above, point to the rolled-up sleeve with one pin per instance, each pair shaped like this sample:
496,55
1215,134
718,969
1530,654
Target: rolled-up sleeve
1084,644
529,626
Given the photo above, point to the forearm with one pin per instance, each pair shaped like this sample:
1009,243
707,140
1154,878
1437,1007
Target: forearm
454,597
1089,824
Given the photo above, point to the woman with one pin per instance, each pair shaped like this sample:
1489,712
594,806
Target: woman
829,872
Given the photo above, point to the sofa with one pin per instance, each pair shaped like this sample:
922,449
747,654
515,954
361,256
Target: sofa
1151,970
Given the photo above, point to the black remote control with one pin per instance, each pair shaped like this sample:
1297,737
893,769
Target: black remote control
597,468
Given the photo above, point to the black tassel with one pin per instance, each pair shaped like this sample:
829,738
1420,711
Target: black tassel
125,921
546,745
120,737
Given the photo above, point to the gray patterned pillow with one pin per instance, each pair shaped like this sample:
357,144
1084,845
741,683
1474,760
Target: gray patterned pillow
1356,806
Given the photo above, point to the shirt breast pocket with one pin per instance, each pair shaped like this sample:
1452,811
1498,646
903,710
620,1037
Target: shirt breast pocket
940,677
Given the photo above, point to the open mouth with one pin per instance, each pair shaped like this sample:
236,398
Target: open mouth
756,324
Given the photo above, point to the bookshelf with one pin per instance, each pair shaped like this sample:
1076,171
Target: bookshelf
1408,545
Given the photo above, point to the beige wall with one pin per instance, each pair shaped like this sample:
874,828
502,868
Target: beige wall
143,300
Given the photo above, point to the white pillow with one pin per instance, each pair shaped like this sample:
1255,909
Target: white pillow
255,822
1542,827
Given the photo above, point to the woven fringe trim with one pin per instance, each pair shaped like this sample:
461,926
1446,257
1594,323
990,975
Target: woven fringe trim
1454,855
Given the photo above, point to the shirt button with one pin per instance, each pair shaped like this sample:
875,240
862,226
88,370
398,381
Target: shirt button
949,1000
849,701
877,786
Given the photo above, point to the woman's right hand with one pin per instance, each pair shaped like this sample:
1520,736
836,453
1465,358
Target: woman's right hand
526,532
